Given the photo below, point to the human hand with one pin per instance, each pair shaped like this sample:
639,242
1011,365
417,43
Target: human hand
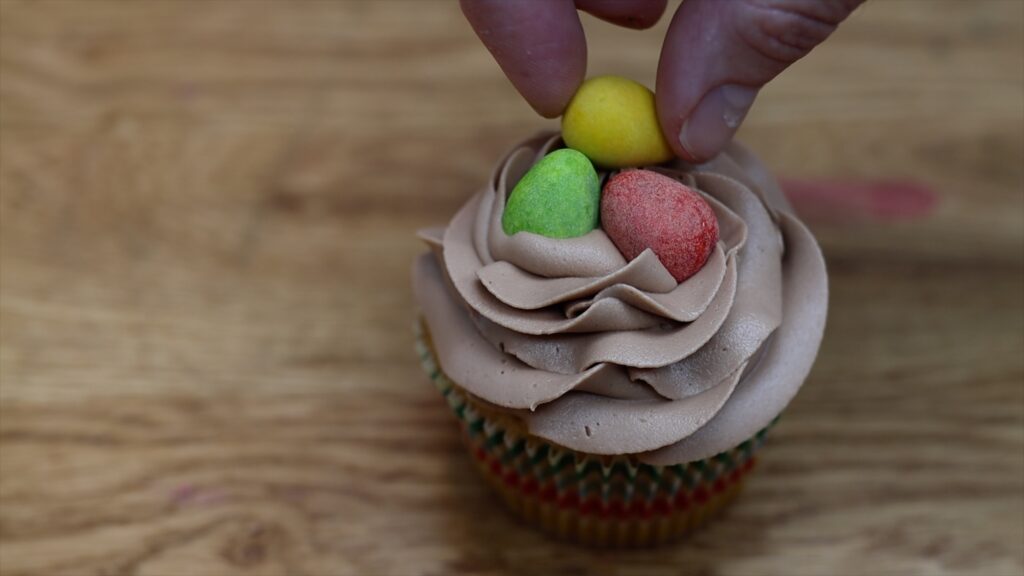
717,54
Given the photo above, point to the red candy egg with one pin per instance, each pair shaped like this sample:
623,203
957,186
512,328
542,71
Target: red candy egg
641,209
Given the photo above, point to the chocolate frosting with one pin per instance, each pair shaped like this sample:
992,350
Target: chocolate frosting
605,356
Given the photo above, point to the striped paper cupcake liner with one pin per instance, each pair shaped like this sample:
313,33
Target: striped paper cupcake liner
607,501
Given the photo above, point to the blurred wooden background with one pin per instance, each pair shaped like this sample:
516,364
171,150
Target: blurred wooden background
207,223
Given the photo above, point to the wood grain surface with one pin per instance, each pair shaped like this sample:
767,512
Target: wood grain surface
207,216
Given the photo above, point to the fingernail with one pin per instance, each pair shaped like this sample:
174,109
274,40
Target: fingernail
713,122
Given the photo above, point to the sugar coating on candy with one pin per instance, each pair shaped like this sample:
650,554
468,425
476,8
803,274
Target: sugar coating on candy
614,122
559,197
641,209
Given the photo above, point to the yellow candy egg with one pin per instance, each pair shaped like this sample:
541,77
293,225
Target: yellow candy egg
613,121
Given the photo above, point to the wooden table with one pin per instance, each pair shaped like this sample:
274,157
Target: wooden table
207,225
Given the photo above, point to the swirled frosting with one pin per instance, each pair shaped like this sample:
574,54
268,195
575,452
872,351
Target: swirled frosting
605,356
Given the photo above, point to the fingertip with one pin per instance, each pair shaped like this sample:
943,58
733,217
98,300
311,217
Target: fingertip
682,69
716,55
540,46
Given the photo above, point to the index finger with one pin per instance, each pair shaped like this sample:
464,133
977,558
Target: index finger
539,45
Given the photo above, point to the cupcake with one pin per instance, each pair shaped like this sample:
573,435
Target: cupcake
610,394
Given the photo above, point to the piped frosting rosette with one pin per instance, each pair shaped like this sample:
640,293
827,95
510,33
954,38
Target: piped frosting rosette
609,357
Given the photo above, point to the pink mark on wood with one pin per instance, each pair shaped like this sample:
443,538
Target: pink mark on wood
837,201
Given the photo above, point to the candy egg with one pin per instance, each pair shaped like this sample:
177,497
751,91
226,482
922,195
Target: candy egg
641,209
613,121
559,197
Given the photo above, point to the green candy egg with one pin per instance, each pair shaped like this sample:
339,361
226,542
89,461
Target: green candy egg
560,197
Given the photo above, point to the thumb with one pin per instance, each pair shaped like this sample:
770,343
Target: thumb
717,55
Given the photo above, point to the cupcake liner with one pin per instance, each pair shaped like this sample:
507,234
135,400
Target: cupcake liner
607,501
